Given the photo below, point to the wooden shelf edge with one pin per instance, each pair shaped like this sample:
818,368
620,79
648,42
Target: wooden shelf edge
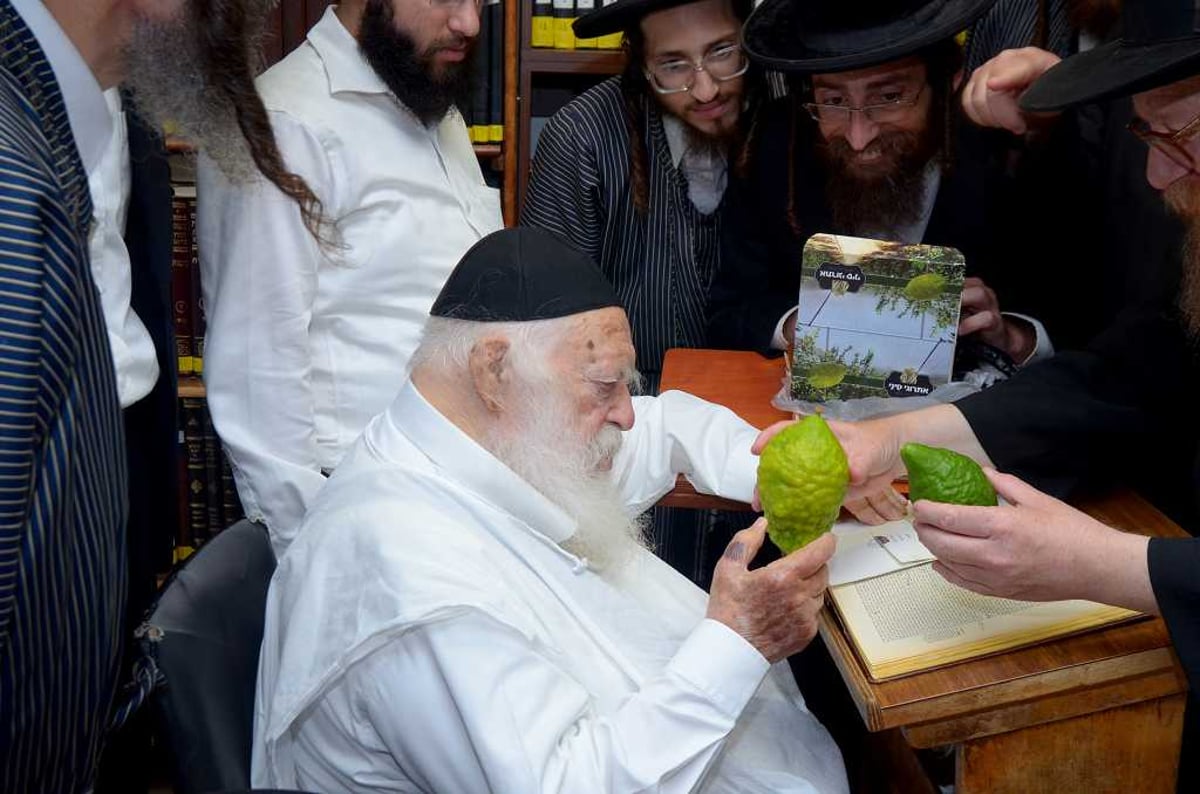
191,386
178,145
544,60
488,149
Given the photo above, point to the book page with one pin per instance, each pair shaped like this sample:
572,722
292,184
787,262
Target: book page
914,619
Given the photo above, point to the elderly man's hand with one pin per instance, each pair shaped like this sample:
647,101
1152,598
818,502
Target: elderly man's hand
993,93
1034,548
775,607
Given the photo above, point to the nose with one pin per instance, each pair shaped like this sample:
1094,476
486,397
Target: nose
1162,171
705,88
621,414
861,131
465,19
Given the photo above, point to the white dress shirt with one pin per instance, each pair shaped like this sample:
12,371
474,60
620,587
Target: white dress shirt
706,170
133,353
305,345
427,632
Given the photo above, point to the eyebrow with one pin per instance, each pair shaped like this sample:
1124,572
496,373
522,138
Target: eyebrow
628,375
730,38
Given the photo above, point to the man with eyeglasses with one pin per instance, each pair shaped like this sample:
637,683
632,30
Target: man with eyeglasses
634,171
1084,415
867,144
307,339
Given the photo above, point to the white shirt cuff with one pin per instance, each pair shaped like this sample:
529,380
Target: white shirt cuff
719,662
779,341
1042,346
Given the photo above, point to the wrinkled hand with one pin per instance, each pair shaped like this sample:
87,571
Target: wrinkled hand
1032,548
981,316
873,454
992,95
774,607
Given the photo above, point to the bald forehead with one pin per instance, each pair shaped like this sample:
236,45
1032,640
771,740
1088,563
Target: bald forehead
1168,99
601,343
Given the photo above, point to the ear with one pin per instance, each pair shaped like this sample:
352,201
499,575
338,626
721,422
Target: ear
491,371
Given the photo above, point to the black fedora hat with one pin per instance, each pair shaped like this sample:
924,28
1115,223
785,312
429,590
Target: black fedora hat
624,14
814,36
1159,45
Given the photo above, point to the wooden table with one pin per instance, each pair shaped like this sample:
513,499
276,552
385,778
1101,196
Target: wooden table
1099,712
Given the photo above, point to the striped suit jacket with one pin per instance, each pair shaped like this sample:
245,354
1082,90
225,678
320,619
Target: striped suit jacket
62,463
661,263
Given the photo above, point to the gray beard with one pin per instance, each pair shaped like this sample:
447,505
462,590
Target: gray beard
167,78
565,471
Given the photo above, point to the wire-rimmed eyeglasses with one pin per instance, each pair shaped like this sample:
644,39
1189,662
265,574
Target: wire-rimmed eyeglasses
877,112
722,64
1172,144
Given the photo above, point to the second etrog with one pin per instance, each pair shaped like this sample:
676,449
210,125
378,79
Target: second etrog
943,475
802,479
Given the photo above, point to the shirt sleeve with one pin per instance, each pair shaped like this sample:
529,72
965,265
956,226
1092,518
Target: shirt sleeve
678,433
259,265
516,719
563,195
1043,348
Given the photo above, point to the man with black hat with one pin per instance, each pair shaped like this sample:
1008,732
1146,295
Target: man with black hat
867,145
634,171
467,606
1082,413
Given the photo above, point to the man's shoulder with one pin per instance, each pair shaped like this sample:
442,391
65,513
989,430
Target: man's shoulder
296,83
597,113
24,150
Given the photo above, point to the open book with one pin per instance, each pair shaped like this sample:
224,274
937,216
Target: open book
912,620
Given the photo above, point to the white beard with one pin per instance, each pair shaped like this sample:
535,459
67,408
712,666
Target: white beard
549,455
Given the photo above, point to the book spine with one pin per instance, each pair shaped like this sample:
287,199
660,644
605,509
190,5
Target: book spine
184,543
564,16
495,100
212,475
199,318
183,199
197,473
542,34
582,8
611,41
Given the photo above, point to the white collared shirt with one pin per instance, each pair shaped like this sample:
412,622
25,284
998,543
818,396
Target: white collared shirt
706,171
427,632
133,352
305,345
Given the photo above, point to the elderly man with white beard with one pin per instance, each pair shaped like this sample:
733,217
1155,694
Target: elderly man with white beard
468,605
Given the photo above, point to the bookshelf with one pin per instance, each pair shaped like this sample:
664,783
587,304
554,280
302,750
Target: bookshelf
541,70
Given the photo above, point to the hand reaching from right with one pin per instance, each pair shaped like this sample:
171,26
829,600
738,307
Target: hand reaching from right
993,93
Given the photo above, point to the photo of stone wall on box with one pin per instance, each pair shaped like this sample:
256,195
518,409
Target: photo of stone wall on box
875,319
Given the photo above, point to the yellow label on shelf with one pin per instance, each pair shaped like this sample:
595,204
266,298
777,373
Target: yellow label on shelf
610,42
564,35
543,32
181,553
587,44
496,133
184,365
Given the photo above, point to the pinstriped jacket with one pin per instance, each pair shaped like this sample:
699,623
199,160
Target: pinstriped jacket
62,463
661,263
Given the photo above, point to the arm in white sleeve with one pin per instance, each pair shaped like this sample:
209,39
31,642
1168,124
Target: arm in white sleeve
778,340
470,704
677,433
259,265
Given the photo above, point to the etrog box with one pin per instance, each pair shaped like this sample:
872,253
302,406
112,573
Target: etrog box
875,319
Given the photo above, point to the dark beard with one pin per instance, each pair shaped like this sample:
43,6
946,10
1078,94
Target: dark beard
1183,200
409,74
880,199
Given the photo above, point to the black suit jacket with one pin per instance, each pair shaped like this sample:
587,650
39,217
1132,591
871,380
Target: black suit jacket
759,277
150,424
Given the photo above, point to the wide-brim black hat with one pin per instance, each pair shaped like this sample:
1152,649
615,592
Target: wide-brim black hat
1159,45
816,36
622,15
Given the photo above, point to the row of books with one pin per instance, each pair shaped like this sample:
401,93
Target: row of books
552,21
485,114
209,500
187,300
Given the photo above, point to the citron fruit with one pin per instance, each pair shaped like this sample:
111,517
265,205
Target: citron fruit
924,287
827,374
802,479
942,475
